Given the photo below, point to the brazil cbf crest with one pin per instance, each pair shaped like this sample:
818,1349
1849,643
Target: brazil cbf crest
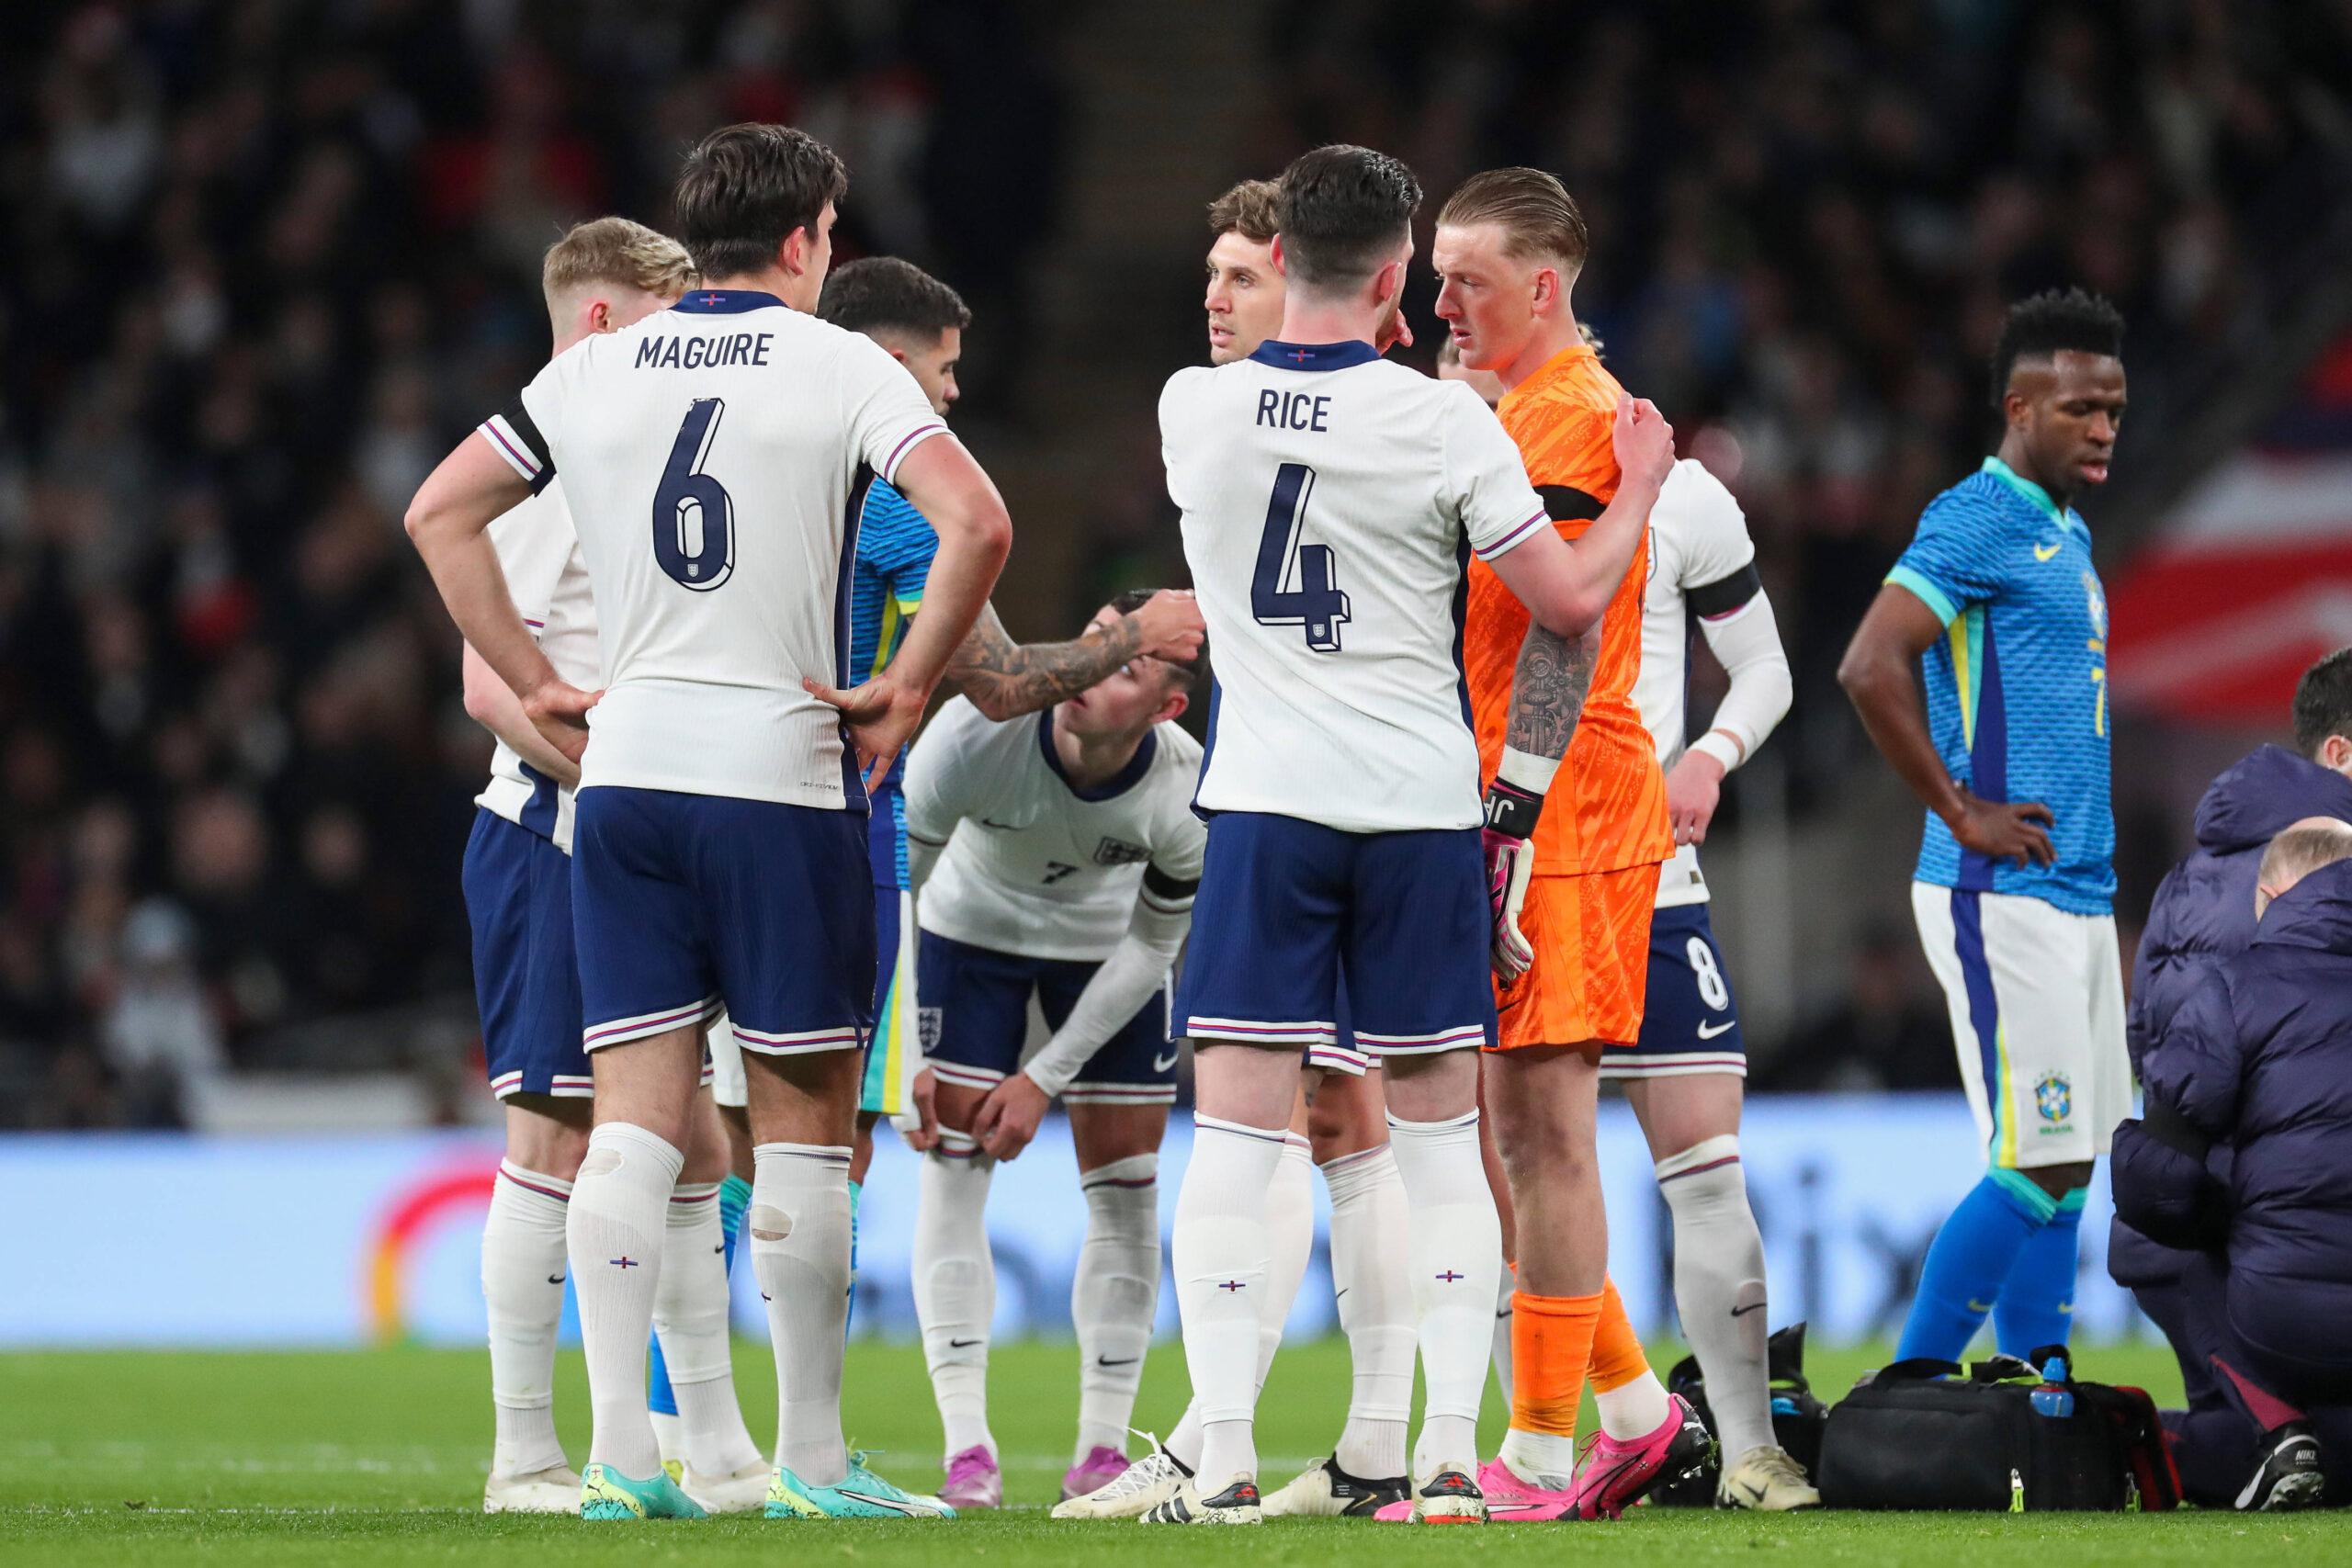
2054,1096
2096,598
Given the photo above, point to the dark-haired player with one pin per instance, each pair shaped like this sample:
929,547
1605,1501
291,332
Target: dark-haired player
1328,498
2016,884
714,454
1343,1130
919,321
1054,858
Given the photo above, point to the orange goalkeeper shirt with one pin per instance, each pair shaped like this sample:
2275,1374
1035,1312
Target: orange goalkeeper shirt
1607,807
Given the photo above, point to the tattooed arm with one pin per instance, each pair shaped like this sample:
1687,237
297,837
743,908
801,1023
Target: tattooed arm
1547,693
1005,680
1547,689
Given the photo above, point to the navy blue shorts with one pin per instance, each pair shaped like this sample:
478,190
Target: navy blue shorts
1285,903
1690,1023
976,1017
686,903
518,898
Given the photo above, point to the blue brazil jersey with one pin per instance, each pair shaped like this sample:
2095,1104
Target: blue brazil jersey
894,550
2016,689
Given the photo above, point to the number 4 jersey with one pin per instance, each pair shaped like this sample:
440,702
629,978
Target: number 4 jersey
714,454
1332,501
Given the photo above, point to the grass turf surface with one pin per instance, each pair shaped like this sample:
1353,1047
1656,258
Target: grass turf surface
377,1458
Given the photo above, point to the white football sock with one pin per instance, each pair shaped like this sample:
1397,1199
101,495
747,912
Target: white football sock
1456,1250
523,1266
690,1314
1633,1410
955,1281
1509,1287
1290,1244
1113,1298
1223,1256
1540,1459
1290,1236
619,1212
1719,1287
799,1223
1369,1221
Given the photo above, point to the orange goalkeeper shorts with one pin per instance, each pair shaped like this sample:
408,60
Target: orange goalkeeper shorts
1592,937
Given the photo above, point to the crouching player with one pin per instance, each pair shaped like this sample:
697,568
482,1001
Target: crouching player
1054,857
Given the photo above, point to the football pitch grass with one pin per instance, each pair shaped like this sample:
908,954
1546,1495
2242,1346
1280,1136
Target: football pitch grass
377,1458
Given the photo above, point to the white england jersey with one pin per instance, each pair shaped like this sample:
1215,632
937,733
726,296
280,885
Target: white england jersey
713,453
549,582
1029,864
1330,502
1703,564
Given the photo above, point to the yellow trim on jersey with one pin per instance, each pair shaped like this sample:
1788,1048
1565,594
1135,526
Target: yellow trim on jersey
2005,1139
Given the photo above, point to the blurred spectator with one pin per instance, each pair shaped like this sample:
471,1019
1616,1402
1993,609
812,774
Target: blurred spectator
262,265
1886,1031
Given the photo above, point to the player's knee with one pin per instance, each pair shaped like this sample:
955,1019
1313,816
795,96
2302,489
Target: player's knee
2060,1179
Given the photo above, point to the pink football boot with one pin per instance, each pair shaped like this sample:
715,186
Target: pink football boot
1613,1476
973,1480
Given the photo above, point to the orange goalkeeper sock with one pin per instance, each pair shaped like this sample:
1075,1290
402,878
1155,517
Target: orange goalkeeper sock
1617,1357
1550,1341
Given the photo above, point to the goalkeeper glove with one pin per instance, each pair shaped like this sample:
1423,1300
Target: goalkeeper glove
1514,802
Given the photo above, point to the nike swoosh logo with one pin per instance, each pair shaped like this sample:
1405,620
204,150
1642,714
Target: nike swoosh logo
961,1343
1709,1033
1107,1361
1161,1064
1752,1306
2040,553
1980,1306
555,1278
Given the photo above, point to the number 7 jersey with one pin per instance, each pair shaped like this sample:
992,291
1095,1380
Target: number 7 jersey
1332,501
715,455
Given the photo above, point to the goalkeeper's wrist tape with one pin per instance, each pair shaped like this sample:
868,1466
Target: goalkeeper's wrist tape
1515,800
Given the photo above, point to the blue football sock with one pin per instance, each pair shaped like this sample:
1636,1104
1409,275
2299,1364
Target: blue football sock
734,1201
660,1399
1970,1262
855,1189
2037,1305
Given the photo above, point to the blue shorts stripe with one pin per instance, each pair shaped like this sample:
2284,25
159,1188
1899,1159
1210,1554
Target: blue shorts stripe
1983,1006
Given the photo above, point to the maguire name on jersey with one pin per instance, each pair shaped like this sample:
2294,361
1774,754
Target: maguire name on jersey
1032,865
713,453
549,582
1330,500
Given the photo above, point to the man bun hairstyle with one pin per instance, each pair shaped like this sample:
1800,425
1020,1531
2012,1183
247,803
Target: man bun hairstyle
2049,324
883,294
746,189
1342,214
1249,210
616,251
1540,220
2323,703
1187,673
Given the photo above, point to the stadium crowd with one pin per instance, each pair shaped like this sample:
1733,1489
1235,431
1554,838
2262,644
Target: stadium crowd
263,261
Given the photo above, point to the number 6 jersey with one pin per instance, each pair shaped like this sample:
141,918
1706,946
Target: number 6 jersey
714,454
1332,501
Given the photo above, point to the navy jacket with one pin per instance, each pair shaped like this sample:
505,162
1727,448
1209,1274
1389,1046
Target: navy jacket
2203,913
2258,1056
2204,908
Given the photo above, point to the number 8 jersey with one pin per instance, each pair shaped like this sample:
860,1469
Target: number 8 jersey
715,455
1332,501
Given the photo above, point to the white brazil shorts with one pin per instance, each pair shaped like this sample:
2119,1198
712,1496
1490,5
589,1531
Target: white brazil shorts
2037,1013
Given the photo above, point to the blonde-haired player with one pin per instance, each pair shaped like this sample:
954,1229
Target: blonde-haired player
599,278
1572,888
